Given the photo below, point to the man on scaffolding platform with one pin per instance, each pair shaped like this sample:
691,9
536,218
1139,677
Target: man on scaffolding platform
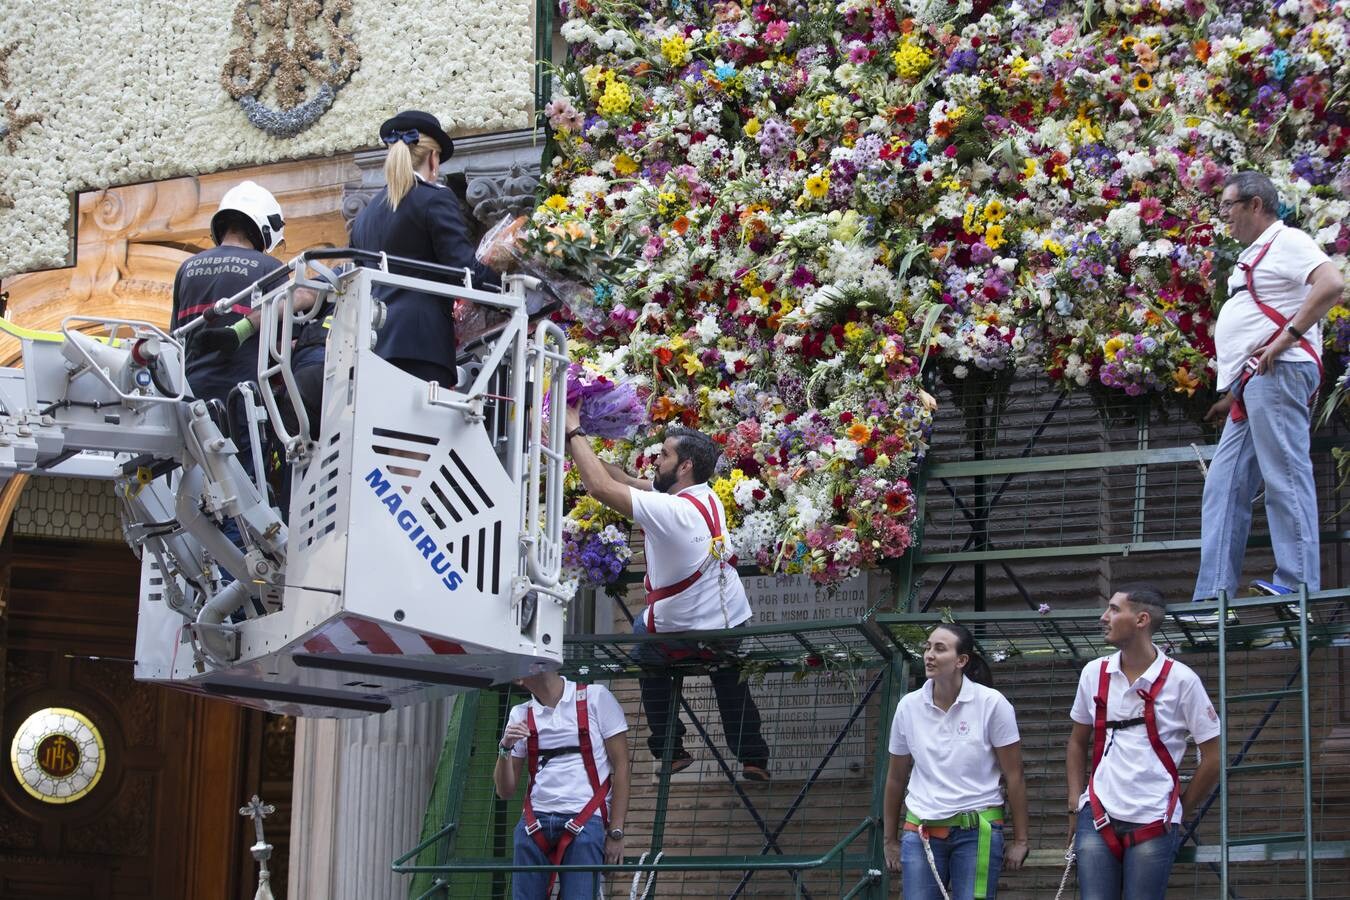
574,738
1137,705
692,584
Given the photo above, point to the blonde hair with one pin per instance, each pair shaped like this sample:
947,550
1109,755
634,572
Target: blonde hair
400,164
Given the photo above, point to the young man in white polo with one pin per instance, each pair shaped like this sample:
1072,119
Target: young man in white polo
1137,707
574,740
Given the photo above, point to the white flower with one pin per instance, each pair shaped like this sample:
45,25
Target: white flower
116,82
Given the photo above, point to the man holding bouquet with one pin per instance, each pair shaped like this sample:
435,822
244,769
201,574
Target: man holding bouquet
692,584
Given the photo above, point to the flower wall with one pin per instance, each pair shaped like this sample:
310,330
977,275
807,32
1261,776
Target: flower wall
130,90
785,208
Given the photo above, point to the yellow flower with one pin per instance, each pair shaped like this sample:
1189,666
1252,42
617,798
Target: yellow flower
692,364
1114,346
675,49
557,203
994,210
854,332
818,186
625,165
911,60
616,98
826,104
1143,81
1053,246
751,126
1028,168
993,236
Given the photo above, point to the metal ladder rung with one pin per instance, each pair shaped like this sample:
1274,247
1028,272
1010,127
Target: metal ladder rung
1264,695
1254,840
1252,768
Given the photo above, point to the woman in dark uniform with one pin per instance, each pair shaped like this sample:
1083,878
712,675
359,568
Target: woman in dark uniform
416,217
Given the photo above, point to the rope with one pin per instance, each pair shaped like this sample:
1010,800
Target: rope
651,877
932,863
1069,857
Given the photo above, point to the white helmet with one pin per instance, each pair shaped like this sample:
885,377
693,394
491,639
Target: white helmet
260,211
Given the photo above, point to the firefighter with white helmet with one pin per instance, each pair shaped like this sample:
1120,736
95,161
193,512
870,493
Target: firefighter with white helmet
245,228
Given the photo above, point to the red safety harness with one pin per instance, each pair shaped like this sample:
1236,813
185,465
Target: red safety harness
1118,844
599,790
713,520
1238,412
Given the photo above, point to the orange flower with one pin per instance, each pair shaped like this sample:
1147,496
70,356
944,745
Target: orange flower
1185,382
662,409
896,502
680,225
859,433
1201,49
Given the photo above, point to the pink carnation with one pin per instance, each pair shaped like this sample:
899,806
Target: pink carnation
776,31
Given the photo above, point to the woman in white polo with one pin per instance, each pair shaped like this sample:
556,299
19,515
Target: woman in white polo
949,742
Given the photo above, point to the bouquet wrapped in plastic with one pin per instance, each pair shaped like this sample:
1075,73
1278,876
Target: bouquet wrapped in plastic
608,409
503,249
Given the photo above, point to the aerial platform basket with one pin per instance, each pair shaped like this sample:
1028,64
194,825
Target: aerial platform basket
424,542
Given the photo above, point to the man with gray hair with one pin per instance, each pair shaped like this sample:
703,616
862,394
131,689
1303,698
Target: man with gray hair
692,584
1266,339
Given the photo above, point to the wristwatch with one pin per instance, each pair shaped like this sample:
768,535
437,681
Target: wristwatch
1294,331
575,432
616,834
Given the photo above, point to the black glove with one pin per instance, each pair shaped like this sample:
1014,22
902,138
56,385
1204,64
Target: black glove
218,340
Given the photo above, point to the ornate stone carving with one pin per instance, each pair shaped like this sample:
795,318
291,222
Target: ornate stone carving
501,171
494,194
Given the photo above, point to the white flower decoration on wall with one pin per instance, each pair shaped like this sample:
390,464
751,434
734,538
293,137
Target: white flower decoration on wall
278,48
131,90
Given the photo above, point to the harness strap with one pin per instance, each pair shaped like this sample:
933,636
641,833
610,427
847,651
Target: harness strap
983,819
1116,843
599,790
1238,412
554,753
713,519
1124,723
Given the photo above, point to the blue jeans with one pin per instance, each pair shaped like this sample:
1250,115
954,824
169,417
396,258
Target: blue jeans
1270,446
1142,875
956,861
586,848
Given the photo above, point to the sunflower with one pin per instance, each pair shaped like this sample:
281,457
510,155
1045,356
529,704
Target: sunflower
1143,81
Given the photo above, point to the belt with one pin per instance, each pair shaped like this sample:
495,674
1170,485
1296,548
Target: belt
984,820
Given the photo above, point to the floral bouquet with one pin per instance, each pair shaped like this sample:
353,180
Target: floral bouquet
608,409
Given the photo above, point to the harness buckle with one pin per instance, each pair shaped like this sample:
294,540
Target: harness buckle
572,826
1100,822
532,827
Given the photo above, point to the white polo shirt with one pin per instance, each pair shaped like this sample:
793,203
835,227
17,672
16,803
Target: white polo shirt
1131,781
955,769
677,542
1281,282
562,785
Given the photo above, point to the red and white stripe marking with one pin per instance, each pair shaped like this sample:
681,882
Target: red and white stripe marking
354,635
